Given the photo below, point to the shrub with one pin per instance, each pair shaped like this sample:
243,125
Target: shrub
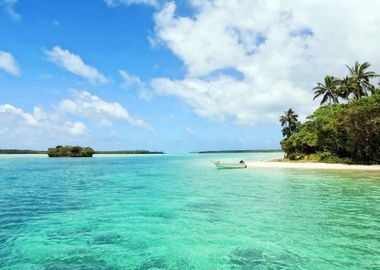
335,159
295,156
342,133
70,151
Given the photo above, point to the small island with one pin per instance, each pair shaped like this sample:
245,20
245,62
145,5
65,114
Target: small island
70,151
345,129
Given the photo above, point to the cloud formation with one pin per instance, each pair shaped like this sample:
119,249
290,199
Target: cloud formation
248,61
74,64
8,63
90,106
132,81
69,122
15,122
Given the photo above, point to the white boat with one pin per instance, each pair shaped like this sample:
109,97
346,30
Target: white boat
230,165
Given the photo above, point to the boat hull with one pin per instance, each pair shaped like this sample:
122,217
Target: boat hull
221,165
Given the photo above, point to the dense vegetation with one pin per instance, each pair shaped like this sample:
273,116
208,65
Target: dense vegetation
22,151
342,133
70,151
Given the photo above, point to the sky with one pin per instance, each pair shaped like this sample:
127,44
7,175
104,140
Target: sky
173,76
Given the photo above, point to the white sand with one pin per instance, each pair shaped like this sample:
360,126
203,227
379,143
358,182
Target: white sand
310,165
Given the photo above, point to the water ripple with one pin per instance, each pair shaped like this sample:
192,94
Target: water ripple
178,212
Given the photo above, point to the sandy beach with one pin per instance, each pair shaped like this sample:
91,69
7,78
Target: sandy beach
310,165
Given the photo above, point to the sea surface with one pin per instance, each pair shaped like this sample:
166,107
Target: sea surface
180,212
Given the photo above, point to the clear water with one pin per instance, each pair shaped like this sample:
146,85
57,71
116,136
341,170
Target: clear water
179,212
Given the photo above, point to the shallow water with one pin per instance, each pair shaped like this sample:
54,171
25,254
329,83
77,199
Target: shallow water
179,212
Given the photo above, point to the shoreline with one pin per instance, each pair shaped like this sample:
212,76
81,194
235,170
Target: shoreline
310,165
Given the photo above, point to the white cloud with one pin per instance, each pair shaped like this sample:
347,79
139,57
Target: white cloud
8,63
18,123
86,105
223,97
74,64
8,6
132,81
111,3
250,60
39,128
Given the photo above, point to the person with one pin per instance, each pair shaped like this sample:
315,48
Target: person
243,163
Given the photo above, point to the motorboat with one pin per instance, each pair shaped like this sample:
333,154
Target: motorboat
230,165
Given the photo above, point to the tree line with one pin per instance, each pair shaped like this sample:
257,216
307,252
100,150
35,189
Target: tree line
345,128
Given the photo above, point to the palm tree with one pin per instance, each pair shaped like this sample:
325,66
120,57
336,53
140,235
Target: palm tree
289,122
345,88
328,90
361,79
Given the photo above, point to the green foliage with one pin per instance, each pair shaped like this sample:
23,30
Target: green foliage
354,86
289,122
342,133
303,141
360,79
327,157
70,151
360,124
328,90
295,156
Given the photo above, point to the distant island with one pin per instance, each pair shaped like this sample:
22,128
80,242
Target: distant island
74,151
70,151
20,151
240,151
77,151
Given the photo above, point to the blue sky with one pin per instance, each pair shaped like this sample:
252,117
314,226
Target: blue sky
172,76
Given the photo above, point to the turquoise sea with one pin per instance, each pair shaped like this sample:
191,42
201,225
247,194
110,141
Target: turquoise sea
179,212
